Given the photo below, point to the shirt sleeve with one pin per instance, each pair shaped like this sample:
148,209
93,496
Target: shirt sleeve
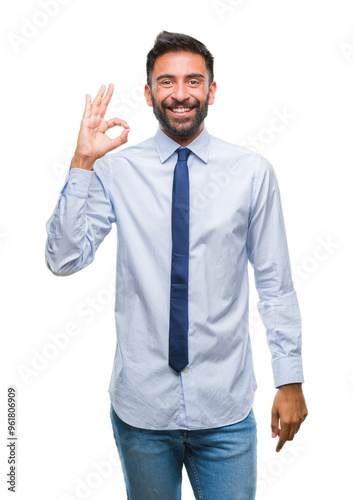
82,218
268,254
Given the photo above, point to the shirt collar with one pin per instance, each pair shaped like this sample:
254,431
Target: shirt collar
166,146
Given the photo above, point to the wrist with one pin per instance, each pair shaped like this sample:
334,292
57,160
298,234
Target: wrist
82,162
297,386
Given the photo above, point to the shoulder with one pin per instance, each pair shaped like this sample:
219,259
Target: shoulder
232,149
241,154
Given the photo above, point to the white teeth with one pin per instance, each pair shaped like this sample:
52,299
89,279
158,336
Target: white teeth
180,110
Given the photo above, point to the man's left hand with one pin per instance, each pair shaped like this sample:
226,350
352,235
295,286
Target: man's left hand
290,409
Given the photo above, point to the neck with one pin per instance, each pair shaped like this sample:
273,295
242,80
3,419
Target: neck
184,141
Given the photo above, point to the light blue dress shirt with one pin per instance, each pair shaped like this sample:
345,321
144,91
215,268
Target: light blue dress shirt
235,216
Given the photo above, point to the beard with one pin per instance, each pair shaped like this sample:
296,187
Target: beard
183,126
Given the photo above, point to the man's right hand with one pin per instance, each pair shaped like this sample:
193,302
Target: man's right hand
92,143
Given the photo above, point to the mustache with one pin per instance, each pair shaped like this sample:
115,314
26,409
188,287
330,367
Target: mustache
185,104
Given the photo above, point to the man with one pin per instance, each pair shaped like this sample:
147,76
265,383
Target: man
191,210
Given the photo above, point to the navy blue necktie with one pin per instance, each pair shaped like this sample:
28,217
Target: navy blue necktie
178,325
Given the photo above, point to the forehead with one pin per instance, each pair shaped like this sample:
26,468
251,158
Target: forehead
179,64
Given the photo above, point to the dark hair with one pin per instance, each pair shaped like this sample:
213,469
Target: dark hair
177,42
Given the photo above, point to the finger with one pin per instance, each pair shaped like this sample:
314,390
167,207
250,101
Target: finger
104,104
291,432
113,122
97,100
283,437
299,424
274,423
294,428
88,107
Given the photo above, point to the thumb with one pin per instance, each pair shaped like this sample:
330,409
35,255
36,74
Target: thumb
122,139
274,423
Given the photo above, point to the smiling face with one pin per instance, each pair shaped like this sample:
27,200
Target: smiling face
180,94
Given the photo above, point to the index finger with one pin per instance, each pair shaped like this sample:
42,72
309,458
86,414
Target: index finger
283,437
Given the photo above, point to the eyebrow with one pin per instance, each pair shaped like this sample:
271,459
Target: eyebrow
191,75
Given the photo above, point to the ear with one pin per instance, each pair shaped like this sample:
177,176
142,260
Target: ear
147,94
213,89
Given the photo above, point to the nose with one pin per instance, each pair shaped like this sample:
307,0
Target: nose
180,92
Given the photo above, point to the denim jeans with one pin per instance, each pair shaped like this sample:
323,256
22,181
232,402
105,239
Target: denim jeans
220,462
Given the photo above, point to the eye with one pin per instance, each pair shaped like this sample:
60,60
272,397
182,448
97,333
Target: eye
166,82
194,82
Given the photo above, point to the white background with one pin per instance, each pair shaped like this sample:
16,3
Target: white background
273,57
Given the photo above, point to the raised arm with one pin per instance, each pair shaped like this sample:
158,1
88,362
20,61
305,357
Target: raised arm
84,213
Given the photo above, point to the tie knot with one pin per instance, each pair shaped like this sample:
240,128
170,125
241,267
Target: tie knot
183,154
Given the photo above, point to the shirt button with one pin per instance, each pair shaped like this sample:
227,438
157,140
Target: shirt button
186,370
74,181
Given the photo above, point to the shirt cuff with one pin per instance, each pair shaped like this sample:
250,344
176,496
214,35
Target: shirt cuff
288,370
78,182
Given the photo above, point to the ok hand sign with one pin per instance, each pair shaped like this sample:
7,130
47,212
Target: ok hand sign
92,142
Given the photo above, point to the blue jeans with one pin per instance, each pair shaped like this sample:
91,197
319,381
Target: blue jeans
220,462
